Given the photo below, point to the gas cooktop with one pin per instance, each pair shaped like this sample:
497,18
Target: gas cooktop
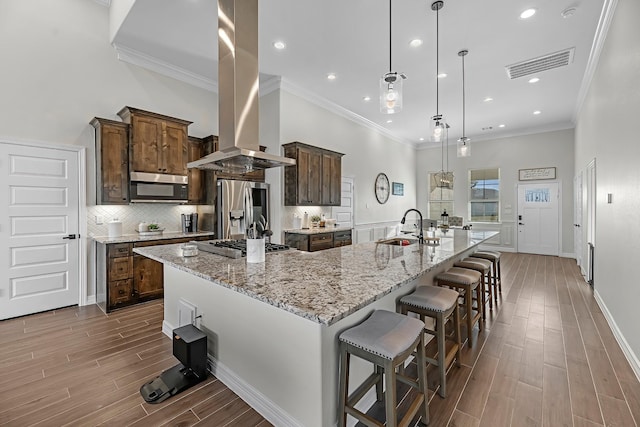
235,248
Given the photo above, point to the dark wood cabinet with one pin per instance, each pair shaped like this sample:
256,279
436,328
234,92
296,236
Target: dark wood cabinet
341,238
125,278
197,177
317,241
315,178
112,161
157,143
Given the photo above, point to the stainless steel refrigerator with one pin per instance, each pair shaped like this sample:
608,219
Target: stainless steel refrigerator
238,205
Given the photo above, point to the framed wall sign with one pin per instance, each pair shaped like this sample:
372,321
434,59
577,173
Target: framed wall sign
537,173
397,189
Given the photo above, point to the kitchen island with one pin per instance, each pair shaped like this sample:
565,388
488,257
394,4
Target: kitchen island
273,326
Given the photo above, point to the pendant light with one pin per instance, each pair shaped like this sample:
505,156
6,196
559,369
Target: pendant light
464,143
444,178
391,84
437,122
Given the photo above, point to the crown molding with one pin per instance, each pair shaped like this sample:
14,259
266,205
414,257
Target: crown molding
319,101
135,57
105,3
608,10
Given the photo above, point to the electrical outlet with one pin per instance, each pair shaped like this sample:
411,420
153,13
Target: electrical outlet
99,219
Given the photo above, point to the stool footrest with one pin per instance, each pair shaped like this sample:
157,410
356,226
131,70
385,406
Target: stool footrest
363,389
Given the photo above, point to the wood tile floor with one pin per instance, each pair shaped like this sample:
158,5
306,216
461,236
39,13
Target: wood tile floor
78,367
546,358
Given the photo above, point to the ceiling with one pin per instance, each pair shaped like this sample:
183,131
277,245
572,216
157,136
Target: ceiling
351,39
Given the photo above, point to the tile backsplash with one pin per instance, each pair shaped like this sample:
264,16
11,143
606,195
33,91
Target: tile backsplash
167,215
289,211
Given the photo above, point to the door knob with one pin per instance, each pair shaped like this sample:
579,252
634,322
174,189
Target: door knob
521,223
70,237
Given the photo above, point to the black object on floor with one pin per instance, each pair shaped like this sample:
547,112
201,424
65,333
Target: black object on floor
190,348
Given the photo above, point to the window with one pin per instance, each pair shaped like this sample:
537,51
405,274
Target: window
440,197
484,195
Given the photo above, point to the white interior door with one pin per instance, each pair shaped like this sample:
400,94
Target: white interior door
344,213
577,221
39,212
538,218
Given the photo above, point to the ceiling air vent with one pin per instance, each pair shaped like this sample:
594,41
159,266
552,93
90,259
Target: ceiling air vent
542,63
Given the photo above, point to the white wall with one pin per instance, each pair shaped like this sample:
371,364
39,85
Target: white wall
549,149
607,131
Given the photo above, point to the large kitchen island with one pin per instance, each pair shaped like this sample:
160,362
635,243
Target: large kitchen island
272,327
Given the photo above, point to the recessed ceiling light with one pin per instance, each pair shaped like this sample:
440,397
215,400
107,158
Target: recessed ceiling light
501,126
537,112
366,99
534,80
442,75
389,121
527,14
421,139
415,43
279,45
488,99
331,76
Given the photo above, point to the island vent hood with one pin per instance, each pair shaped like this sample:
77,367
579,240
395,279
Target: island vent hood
238,80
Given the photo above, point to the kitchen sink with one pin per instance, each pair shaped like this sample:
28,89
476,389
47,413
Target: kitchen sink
398,241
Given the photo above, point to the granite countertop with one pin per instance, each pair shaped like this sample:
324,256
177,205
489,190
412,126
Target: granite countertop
132,238
323,286
318,230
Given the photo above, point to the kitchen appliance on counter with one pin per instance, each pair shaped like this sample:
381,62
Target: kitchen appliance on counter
189,222
158,188
238,205
235,248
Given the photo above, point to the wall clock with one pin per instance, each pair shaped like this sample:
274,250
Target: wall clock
382,188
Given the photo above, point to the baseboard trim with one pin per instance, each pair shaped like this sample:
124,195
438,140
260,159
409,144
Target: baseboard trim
258,401
90,300
626,349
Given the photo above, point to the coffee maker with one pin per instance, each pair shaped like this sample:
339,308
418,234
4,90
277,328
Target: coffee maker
189,222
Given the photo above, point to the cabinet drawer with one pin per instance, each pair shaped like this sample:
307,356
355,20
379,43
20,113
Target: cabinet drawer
320,241
119,249
120,293
342,235
120,268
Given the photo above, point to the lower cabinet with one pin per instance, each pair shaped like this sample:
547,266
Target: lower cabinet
125,278
317,241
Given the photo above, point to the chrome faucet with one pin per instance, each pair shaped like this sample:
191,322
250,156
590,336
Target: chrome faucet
404,217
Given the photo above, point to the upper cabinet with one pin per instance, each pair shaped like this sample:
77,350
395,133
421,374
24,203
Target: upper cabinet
112,161
197,177
315,178
158,143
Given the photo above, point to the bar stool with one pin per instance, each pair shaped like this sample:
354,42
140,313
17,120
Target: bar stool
465,281
494,257
385,339
440,304
482,266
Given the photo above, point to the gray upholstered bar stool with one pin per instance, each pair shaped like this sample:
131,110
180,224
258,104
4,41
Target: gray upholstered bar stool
466,282
440,304
482,266
385,339
494,257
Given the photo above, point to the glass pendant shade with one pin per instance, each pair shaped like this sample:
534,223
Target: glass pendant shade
464,147
437,126
444,180
391,93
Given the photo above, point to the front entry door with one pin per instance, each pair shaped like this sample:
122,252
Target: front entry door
538,218
39,245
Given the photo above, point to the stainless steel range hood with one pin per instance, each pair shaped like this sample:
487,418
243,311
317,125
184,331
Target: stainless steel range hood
239,148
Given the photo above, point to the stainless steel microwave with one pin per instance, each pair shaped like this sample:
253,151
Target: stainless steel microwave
158,188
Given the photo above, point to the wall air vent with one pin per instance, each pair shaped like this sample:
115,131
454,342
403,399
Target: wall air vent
542,63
